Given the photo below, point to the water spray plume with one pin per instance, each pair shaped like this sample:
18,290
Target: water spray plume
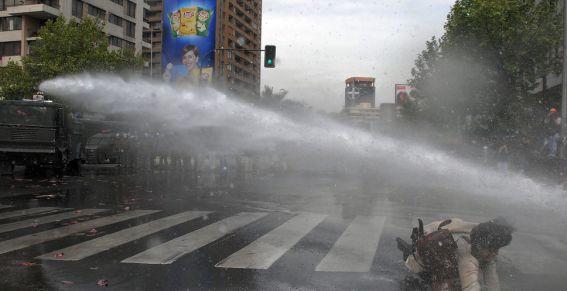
315,142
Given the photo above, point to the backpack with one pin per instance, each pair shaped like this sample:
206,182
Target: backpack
437,252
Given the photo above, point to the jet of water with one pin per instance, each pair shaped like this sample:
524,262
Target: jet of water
317,141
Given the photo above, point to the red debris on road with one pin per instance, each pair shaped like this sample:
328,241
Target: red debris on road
102,283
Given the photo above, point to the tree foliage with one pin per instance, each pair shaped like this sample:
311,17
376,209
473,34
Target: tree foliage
278,102
269,98
68,47
490,57
14,82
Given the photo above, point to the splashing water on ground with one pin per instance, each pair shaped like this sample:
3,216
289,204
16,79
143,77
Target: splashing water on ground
318,141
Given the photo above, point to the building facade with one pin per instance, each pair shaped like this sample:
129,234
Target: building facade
20,21
238,26
360,92
360,103
153,36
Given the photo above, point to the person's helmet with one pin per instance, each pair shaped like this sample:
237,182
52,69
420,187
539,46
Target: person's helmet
552,110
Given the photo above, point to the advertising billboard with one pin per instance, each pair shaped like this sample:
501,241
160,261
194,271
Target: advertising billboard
404,94
189,28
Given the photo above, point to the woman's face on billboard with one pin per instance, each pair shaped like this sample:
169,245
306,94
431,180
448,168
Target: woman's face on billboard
190,60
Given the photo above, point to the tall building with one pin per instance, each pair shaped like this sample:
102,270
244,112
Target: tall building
20,21
360,102
360,92
153,36
238,26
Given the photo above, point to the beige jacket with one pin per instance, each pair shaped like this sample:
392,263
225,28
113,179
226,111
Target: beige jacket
470,273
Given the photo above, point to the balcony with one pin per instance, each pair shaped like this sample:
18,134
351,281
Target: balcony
36,9
156,7
146,44
52,3
153,18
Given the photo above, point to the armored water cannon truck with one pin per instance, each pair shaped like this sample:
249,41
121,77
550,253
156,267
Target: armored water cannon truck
40,135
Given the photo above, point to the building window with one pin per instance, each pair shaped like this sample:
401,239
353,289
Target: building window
128,45
11,23
131,9
12,48
115,20
77,8
130,29
9,3
52,3
97,12
119,2
115,41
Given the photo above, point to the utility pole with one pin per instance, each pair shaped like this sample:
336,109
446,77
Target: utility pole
151,52
564,81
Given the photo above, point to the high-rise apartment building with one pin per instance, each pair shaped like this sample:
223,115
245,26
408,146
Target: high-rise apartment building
238,26
153,36
20,21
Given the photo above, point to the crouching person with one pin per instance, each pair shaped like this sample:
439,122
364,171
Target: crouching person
457,255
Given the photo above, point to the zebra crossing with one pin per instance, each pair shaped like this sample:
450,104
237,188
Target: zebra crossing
263,252
353,251
168,252
48,235
356,237
27,212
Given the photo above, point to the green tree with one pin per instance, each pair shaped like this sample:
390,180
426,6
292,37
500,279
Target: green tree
491,55
271,99
278,102
15,82
69,47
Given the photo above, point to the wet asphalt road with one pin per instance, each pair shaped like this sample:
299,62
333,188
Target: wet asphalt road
303,229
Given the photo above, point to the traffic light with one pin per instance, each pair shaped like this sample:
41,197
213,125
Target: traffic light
270,56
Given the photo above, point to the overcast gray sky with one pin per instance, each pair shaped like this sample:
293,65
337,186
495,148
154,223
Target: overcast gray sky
321,43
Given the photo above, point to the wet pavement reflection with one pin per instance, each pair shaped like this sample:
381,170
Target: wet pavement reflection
225,193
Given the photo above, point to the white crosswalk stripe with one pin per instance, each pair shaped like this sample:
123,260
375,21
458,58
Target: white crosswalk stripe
101,244
172,250
354,251
30,211
263,252
47,219
48,235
